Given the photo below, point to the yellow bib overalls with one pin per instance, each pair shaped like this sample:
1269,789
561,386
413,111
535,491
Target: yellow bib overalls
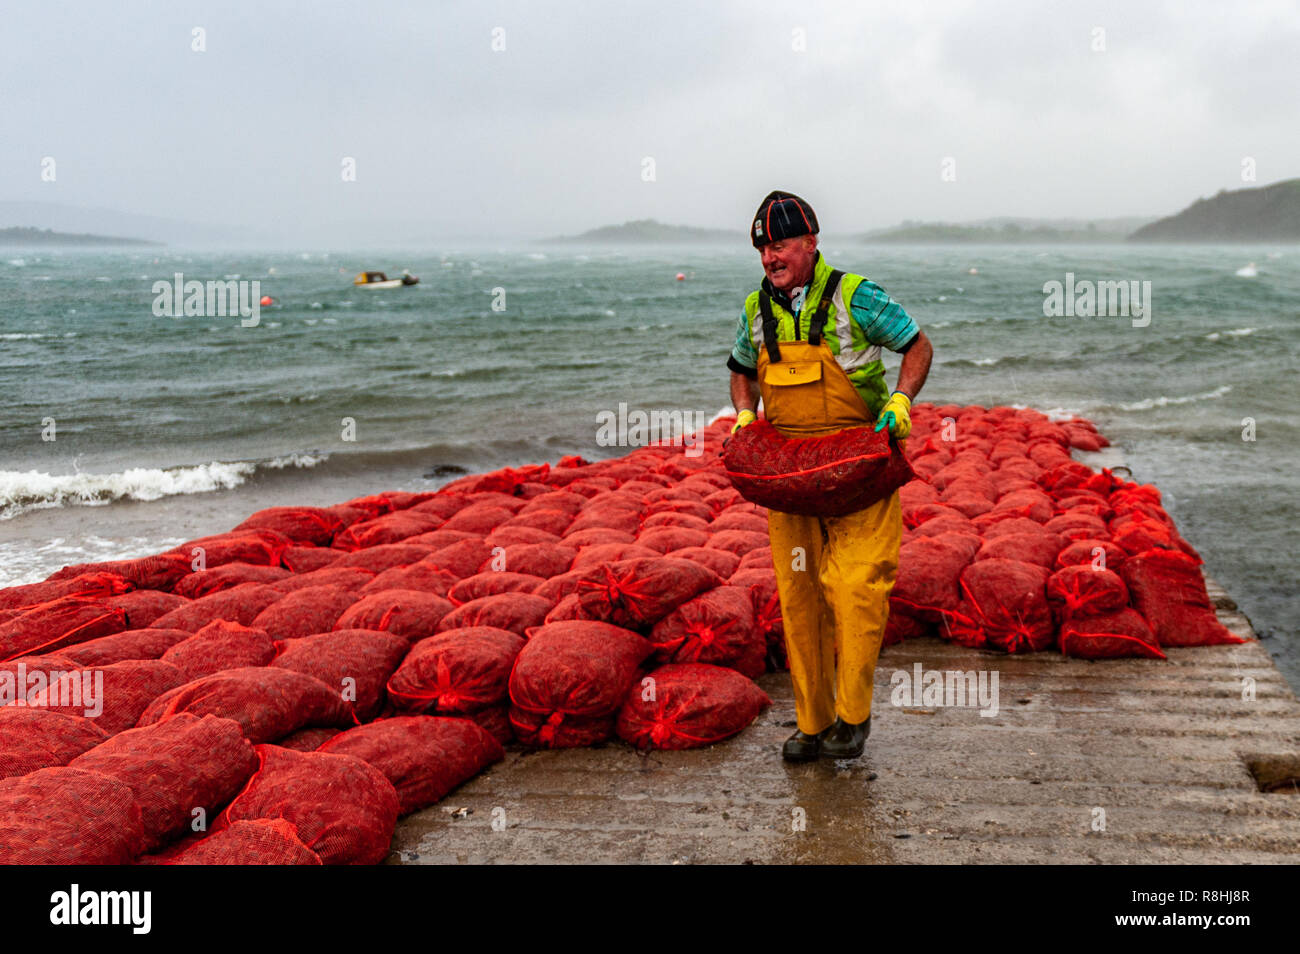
834,574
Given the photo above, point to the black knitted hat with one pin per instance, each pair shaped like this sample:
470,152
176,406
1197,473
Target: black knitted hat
782,215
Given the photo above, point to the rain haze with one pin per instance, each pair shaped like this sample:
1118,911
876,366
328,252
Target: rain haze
420,122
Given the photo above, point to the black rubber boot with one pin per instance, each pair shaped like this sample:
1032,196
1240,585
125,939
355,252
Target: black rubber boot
844,740
802,747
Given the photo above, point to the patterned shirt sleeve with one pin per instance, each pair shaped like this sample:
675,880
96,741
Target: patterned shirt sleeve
882,320
743,352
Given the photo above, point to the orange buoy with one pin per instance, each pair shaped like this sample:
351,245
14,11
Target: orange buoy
681,276
267,300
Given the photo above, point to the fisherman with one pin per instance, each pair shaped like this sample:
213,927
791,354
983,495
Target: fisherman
834,574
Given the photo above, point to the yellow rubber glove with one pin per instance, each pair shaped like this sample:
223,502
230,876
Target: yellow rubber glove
896,415
744,419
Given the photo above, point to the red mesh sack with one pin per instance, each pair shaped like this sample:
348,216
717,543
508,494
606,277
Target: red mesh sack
142,607
739,520
344,809
594,555
535,559
1109,635
688,705
62,622
92,585
310,525
1090,551
307,740
313,609
127,690
384,557
738,542
462,559
32,739
639,593
256,841
220,645
1077,591
929,571
420,576
692,507
1038,548
425,757
461,670
1168,589
1010,604
306,559
354,663
159,572
667,539
558,587
268,702
351,578
504,536
721,562
259,546
390,528
480,518
554,521
515,612
407,613
569,680
491,583
668,519
224,577
241,604
602,516
173,768
66,816
146,643
441,539
495,721
598,536
715,627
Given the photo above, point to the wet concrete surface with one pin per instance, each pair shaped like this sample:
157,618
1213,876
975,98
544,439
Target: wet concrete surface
1117,761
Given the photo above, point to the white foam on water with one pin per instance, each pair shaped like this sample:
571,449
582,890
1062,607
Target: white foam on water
1164,401
21,491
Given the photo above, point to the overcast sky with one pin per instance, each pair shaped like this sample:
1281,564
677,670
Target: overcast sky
551,134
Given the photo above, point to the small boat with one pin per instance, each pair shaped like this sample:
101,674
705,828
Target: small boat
1249,270
380,280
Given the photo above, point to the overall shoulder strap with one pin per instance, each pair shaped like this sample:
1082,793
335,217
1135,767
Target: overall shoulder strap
769,327
819,318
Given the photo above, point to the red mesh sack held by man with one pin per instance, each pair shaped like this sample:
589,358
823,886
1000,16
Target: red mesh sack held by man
825,476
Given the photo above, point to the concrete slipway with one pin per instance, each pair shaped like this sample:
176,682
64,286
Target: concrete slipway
1119,761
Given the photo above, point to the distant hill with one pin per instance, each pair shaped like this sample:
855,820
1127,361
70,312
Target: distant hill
1266,214
1005,231
29,237
650,231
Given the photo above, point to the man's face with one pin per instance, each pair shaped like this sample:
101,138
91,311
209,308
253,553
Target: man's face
788,263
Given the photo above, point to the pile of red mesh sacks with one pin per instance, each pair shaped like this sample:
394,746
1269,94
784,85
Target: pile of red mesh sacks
282,693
